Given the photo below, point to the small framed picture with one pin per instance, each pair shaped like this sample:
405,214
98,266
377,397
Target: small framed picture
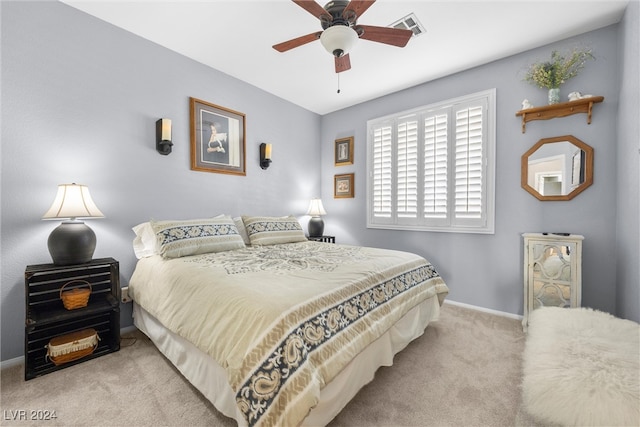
217,138
343,186
344,151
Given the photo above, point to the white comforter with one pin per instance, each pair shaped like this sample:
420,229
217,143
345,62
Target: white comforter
283,320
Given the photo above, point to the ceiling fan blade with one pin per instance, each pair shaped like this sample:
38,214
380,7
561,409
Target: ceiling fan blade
392,36
298,41
358,7
343,63
313,8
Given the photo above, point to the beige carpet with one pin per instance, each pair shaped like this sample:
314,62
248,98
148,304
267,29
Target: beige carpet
464,371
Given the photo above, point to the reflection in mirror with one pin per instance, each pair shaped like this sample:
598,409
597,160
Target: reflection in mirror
557,168
551,275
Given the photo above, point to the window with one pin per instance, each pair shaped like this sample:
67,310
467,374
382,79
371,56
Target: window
433,168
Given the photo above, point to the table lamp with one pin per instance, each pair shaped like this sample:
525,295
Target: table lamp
316,225
72,242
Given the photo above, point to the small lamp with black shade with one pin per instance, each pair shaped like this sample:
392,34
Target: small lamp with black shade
72,242
163,136
316,225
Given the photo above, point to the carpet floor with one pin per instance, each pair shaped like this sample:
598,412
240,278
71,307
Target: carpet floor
464,371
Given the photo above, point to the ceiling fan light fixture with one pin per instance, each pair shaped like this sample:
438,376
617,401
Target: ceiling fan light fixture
339,39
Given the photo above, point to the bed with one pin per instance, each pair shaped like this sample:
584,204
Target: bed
272,328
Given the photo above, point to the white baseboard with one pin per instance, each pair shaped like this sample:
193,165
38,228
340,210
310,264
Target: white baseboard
485,310
128,329
12,362
20,360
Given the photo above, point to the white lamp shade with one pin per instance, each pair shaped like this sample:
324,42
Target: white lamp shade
339,38
316,208
73,201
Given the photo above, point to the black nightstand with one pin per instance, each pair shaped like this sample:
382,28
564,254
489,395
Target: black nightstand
47,318
327,239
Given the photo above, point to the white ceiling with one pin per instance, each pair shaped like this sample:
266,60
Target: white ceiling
235,37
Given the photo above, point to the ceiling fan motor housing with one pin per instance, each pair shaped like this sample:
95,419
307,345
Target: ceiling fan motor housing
335,9
338,36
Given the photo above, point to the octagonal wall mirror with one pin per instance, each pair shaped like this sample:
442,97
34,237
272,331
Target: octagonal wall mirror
557,168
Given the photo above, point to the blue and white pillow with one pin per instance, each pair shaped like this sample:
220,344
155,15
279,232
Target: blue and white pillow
265,230
197,236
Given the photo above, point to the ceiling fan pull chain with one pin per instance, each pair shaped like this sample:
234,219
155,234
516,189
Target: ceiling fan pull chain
338,82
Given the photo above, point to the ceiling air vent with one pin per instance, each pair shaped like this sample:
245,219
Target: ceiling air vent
410,22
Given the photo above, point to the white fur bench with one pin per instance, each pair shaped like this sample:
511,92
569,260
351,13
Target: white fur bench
581,367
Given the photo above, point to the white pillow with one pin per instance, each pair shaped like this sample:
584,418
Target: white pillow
264,230
145,243
197,236
242,230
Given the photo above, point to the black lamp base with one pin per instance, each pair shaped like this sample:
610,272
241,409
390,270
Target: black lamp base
316,226
72,242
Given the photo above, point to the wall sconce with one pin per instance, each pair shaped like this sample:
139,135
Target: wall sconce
163,136
265,155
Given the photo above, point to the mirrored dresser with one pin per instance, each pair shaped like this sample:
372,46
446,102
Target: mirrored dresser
552,271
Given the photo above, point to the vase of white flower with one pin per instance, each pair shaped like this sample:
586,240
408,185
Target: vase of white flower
554,95
552,74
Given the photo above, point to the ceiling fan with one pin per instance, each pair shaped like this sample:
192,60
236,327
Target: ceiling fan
341,30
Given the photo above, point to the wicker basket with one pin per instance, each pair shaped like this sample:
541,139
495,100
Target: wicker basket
73,346
76,297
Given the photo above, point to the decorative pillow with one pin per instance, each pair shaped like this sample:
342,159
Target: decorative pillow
197,236
264,230
145,243
242,230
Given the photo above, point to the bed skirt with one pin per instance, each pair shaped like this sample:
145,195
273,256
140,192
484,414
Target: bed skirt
206,375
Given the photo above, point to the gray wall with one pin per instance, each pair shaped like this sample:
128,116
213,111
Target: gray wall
486,270
80,99
628,170
79,103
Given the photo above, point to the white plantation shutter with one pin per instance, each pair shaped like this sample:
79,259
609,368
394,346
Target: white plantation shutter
381,191
407,169
433,168
468,163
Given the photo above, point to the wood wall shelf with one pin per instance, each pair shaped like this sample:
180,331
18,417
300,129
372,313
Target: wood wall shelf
563,109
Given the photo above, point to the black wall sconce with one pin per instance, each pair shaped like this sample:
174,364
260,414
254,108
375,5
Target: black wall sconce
265,155
163,136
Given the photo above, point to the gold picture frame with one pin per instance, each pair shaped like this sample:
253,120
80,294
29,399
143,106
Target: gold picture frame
343,186
217,138
343,151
